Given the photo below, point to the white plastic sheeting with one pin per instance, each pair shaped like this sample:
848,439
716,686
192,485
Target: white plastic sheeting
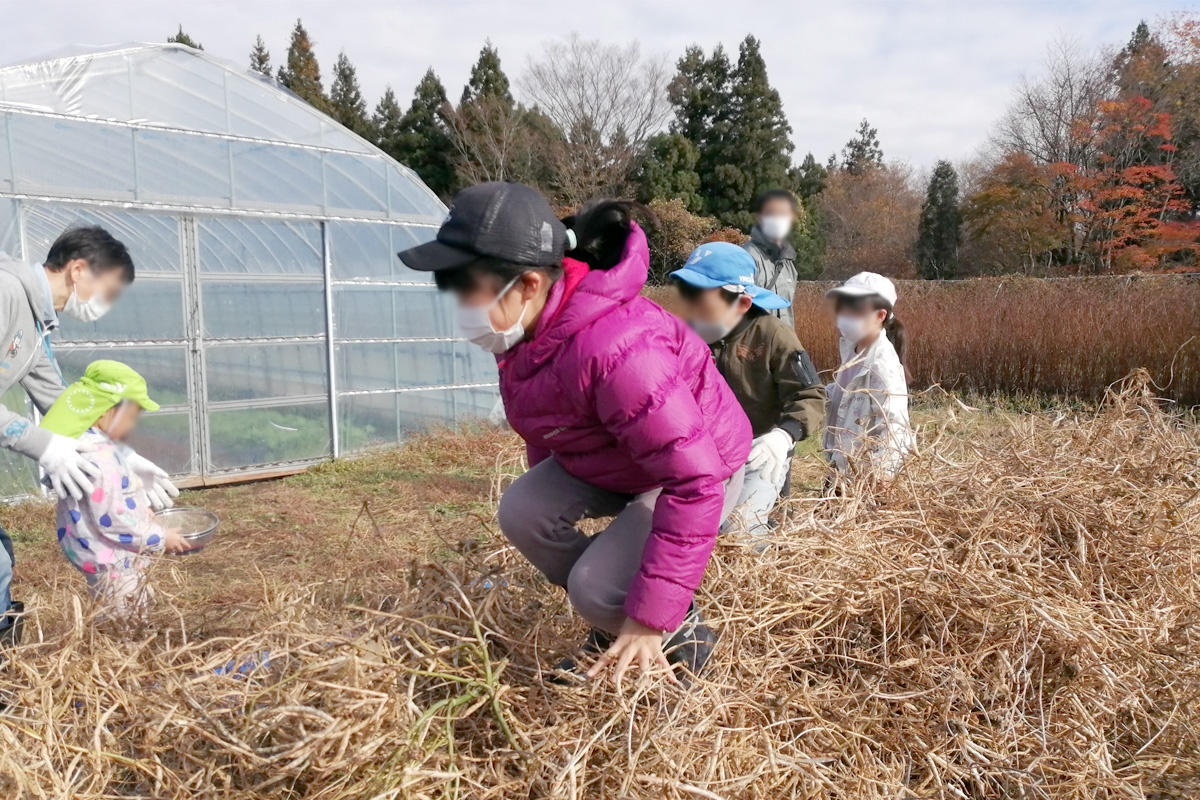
270,314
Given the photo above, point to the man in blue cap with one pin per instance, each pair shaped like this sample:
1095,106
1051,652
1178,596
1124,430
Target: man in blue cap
763,361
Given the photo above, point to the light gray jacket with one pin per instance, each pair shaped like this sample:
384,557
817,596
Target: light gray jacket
26,319
866,422
774,269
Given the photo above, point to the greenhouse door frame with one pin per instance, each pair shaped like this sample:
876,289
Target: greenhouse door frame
201,407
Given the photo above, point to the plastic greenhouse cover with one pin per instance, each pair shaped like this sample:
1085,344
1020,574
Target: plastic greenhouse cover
171,86
166,124
231,193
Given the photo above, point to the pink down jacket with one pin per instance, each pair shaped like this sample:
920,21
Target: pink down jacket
626,397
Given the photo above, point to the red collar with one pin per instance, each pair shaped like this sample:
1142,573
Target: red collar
573,274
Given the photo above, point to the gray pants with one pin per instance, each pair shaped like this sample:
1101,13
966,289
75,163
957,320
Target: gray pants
538,514
755,505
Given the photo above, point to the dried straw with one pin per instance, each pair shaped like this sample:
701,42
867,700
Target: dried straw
1016,618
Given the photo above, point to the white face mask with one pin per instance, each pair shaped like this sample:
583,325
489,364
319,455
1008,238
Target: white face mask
853,329
713,332
776,228
92,310
475,322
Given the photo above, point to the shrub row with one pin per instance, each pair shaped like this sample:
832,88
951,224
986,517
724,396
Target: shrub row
1033,337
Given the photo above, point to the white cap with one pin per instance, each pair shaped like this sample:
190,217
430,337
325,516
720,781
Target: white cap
867,284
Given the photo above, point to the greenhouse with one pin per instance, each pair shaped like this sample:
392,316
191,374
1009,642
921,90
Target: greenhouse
270,314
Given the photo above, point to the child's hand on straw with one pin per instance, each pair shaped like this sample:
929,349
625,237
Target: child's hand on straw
638,644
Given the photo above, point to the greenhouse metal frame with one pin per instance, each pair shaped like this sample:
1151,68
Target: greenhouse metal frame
270,314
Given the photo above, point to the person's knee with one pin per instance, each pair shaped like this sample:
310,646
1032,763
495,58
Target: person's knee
518,514
595,598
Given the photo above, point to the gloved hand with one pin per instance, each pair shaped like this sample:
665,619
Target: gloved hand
66,467
158,486
769,454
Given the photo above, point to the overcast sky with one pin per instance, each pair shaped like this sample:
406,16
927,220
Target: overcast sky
931,76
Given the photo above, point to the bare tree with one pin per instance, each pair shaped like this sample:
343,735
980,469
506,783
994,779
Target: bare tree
1043,119
496,140
607,100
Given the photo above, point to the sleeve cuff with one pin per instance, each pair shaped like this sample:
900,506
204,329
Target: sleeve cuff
33,442
794,429
657,603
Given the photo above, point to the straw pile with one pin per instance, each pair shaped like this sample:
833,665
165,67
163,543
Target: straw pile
1016,618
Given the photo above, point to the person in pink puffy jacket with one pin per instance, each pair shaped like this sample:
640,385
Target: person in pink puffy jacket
621,408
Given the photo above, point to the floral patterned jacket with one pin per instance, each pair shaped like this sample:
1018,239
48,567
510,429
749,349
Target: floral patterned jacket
113,526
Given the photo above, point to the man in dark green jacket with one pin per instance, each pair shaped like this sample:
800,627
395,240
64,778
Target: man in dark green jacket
762,359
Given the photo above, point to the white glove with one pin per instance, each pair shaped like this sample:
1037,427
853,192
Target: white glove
158,486
769,454
66,468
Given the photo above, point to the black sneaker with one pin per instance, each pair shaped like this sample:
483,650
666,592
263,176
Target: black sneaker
12,623
568,671
690,647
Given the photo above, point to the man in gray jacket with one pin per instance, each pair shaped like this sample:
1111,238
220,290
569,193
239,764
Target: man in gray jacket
774,256
84,272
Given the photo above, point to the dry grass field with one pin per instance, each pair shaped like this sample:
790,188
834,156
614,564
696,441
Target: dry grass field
1016,617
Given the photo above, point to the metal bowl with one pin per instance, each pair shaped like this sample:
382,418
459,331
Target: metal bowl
197,526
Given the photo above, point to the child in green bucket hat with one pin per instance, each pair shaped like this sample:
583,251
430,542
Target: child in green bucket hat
107,534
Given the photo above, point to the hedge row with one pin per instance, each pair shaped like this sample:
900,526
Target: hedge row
1032,337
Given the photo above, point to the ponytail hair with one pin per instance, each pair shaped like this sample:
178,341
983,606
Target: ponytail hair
894,329
601,229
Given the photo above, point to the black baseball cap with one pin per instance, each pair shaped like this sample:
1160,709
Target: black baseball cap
507,221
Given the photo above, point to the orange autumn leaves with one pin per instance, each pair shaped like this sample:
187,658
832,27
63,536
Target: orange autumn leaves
1121,210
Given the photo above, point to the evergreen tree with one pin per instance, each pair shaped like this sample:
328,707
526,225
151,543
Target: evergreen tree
863,151
809,178
346,103
668,172
1139,41
426,146
753,151
939,231
494,137
260,58
387,131
1142,68
487,79
183,38
701,95
809,239
302,73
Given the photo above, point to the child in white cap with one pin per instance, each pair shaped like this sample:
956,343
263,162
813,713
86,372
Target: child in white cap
866,425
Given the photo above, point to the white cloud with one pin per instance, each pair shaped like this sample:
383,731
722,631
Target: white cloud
931,76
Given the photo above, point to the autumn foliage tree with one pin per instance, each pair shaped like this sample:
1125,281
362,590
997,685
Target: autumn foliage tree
1088,180
1130,213
869,221
1011,218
